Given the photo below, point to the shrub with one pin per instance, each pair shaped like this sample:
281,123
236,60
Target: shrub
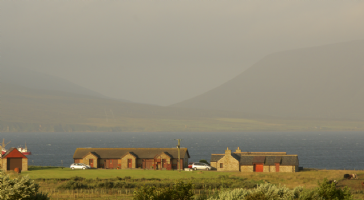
272,192
71,185
19,188
179,191
328,190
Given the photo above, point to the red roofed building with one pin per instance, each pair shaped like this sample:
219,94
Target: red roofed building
13,159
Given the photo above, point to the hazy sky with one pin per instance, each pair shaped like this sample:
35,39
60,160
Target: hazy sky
163,52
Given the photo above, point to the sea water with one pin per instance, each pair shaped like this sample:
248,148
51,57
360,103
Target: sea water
324,150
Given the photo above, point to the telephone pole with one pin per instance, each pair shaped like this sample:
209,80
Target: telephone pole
179,153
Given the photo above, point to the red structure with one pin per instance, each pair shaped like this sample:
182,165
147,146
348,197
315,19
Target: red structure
14,159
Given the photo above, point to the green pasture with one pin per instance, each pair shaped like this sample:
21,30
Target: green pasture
65,173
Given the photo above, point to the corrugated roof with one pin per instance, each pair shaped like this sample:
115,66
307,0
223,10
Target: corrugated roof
115,153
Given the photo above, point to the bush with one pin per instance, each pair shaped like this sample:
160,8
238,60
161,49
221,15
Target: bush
72,185
272,192
179,191
19,188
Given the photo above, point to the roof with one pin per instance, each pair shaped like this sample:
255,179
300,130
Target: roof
13,153
259,159
216,157
267,160
116,153
261,153
270,160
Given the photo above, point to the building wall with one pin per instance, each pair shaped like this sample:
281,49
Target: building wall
185,163
246,168
124,161
86,160
139,163
229,162
266,168
287,168
272,168
4,164
24,164
213,165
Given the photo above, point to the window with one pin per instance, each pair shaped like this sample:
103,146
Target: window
221,165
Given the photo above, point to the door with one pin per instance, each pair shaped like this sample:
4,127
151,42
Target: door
277,167
110,164
91,163
149,163
14,163
164,162
130,163
258,167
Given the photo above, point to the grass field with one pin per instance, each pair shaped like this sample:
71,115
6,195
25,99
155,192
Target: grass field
53,172
307,178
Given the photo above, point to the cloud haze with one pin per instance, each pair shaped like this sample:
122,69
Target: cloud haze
163,52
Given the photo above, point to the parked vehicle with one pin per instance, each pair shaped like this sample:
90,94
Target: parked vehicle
190,165
201,166
79,166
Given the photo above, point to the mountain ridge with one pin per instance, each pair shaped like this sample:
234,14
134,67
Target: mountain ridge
316,82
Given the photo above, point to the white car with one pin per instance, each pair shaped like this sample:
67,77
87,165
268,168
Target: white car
80,166
202,166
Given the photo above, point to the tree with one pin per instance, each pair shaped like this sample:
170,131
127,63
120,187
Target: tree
19,188
204,161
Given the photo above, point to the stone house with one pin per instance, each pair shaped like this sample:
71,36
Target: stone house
131,158
13,159
254,161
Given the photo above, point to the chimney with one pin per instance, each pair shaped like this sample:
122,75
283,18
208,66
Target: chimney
227,151
238,150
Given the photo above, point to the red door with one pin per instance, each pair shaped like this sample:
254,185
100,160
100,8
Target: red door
130,163
277,167
258,167
91,163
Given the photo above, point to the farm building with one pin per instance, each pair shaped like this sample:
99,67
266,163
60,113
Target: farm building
13,159
129,158
254,161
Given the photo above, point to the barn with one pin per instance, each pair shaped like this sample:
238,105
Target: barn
131,158
14,159
254,161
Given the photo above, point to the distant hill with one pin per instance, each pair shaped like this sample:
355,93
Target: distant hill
324,82
25,109
36,80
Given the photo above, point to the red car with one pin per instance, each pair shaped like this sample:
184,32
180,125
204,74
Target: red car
190,165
